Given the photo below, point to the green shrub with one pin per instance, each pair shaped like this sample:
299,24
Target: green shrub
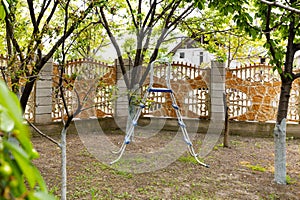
19,178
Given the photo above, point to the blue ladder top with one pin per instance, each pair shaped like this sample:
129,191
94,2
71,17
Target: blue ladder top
166,90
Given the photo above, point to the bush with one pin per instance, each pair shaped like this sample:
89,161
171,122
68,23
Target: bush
19,178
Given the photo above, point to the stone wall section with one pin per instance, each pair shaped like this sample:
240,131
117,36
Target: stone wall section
261,90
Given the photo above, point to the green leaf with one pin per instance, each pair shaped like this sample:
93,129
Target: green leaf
30,172
18,175
277,55
248,17
6,123
253,33
199,4
43,196
11,103
25,177
279,69
267,45
14,111
4,6
2,12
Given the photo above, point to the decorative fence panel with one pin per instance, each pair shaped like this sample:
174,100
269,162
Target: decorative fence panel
85,70
253,94
294,102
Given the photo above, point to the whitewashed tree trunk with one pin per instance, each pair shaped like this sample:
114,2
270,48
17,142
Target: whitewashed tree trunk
280,152
63,164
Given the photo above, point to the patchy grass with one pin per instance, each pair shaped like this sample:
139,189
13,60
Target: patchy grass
187,159
218,146
234,173
253,167
256,168
122,174
290,180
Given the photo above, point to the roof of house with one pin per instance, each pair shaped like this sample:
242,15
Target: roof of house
186,43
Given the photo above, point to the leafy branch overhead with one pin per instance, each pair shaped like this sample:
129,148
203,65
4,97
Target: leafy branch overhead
278,23
220,35
32,41
150,23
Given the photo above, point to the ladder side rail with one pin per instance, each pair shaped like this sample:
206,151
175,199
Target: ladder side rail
168,73
180,120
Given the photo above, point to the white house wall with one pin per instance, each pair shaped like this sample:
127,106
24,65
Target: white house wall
192,55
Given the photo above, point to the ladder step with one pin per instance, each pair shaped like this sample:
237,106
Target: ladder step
188,142
134,123
180,123
175,106
127,140
167,90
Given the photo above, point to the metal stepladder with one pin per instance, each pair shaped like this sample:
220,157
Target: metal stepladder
151,89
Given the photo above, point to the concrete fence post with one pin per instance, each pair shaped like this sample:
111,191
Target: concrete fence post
121,104
217,90
43,101
217,108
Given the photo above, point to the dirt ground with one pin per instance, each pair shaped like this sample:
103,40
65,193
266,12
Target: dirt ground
244,171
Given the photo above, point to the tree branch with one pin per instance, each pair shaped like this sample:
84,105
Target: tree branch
290,50
281,6
42,12
32,15
154,55
62,38
297,47
268,35
115,44
295,76
13,39
50,15
139,18
132,15
170,15
38,41
43,134
164,11
40,63
185,13
150,14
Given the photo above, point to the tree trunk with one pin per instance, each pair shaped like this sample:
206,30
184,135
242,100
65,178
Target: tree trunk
226,129
63,164
26,93
280,152
280,133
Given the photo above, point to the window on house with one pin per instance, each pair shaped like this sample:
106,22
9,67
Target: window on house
201,58
181,55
